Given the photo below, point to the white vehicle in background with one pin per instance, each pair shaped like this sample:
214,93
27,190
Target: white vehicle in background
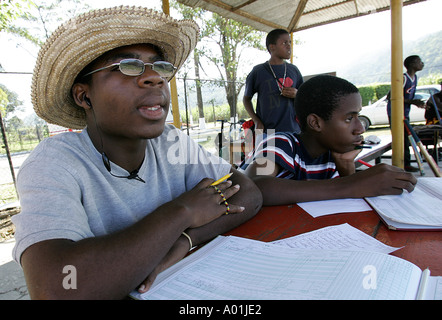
376,114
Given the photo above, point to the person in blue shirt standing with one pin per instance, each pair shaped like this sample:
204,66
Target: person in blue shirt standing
276,81
412,64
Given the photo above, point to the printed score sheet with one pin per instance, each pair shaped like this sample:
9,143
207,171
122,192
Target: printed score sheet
239,268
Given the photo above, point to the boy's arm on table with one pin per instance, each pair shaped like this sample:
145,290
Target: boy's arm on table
379,180
248,196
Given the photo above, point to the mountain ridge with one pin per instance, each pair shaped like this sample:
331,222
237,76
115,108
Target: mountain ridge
376,67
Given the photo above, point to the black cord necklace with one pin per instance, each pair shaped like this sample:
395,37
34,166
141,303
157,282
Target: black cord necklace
278,83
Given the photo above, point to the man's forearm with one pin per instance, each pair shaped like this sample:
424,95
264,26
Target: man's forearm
277,191
105,267
249,108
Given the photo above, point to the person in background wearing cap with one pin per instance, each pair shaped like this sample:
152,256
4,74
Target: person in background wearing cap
105,210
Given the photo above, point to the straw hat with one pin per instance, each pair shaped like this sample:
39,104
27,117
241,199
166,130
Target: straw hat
81,40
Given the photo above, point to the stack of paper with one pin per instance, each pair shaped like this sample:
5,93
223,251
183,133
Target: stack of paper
418,210
244,269
340,237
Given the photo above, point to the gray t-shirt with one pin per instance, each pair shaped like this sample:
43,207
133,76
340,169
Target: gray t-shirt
67,193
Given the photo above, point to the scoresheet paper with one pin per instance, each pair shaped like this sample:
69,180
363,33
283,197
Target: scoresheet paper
423,206
339,237
244,269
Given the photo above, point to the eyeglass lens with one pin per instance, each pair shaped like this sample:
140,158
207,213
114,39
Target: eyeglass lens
163,68
131,67
135,67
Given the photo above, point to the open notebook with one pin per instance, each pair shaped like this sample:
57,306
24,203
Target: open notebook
418,210
234,268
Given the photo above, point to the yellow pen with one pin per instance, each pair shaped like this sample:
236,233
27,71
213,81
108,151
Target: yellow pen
227,176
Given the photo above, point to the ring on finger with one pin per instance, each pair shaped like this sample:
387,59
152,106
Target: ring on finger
223,198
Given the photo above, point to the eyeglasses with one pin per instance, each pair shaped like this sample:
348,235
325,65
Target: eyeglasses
136,67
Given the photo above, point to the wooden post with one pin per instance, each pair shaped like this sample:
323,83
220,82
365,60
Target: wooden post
172,84
291,50
397,95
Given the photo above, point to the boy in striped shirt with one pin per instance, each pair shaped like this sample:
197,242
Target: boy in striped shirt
290,167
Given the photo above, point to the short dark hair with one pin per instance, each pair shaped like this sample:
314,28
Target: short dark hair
273,36
410,60
320,95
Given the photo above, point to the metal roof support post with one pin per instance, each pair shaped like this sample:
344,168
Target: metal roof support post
397,95
172,83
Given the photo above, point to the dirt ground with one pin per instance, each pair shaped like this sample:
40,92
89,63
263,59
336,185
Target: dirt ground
7,229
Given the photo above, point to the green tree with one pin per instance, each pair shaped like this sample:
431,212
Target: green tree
11,103
3,102
194,14
11,10
230,36
37,21
40,18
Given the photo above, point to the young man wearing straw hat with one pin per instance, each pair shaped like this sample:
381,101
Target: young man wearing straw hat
105,210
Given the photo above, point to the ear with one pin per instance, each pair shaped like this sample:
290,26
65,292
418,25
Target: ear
79,93
315,122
